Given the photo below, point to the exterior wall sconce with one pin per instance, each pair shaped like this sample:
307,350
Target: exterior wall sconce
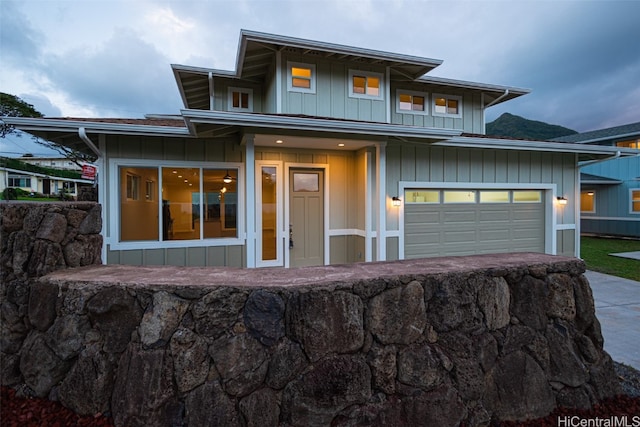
562,200
396,201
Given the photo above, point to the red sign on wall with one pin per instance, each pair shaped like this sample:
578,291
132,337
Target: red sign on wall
89,172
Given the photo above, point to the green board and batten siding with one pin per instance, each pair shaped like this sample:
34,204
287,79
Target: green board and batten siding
177,149
423,163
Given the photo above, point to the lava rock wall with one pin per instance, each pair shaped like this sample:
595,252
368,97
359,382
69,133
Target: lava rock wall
408,343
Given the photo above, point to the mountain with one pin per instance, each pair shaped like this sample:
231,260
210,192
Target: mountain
518,127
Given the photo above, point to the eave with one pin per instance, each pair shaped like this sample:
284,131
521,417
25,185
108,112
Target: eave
585,153
212,122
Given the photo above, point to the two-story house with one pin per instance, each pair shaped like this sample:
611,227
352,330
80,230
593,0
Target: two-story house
610,190
312,153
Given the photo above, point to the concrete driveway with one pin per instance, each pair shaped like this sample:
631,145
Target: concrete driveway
617,302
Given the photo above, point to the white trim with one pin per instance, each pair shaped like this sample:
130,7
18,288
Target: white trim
250,240
435,96
551,227
381,201
366,75
565,227
278,82
610,218
112,239
347,232
312,79
412,93
102,192
287,168
369,197
281,233
241,90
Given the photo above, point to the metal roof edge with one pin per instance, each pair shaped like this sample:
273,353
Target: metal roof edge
529,145
59,125
315,124
473,85
44,175
248,35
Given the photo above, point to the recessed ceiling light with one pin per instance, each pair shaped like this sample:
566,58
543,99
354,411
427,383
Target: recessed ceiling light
341,145
279,141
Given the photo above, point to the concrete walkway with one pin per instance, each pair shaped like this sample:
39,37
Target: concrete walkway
630,255
617,302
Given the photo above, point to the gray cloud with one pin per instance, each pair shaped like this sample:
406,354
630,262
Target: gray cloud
580,59
124,77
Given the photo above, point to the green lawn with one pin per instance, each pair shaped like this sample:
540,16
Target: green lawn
595,252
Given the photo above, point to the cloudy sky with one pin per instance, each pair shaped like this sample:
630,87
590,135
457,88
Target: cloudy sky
110,58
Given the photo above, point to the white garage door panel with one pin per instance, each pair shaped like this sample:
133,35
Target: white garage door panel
463,229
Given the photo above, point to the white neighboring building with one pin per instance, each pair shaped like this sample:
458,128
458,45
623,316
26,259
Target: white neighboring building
13,176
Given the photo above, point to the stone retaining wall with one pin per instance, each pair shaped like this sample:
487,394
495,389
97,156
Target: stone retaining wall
410,343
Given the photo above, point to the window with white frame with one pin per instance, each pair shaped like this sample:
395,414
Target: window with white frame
240,99
588,201
22,181
411,102
447,105
635,201
192,202
365,84
301,77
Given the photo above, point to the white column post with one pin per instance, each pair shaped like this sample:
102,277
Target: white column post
381,187
250,205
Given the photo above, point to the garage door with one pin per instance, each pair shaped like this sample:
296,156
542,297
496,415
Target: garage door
467,222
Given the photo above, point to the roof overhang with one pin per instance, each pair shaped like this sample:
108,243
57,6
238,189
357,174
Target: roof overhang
585,153
256,58
66,131
492,94
255,49
590,179
220,123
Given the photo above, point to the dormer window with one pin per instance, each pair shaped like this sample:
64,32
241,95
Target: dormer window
410,102
365,84
240,99
301,77
447,105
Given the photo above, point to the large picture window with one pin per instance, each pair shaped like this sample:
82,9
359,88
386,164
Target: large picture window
177,203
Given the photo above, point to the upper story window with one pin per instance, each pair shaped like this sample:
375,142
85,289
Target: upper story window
411,102
240,99
629,144
365,84
301,77
447,105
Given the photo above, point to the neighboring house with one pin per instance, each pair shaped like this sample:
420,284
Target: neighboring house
39,175
315,153
610,190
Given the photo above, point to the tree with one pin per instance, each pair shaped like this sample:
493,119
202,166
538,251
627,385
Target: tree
13,106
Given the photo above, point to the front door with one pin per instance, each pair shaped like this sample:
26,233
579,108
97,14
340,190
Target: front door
306,217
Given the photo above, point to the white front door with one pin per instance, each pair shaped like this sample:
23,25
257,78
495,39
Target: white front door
306,217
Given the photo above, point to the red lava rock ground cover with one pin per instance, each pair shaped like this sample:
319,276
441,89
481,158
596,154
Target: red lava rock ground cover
34,412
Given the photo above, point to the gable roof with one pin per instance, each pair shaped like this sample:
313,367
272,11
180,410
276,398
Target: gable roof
624,131
256,56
